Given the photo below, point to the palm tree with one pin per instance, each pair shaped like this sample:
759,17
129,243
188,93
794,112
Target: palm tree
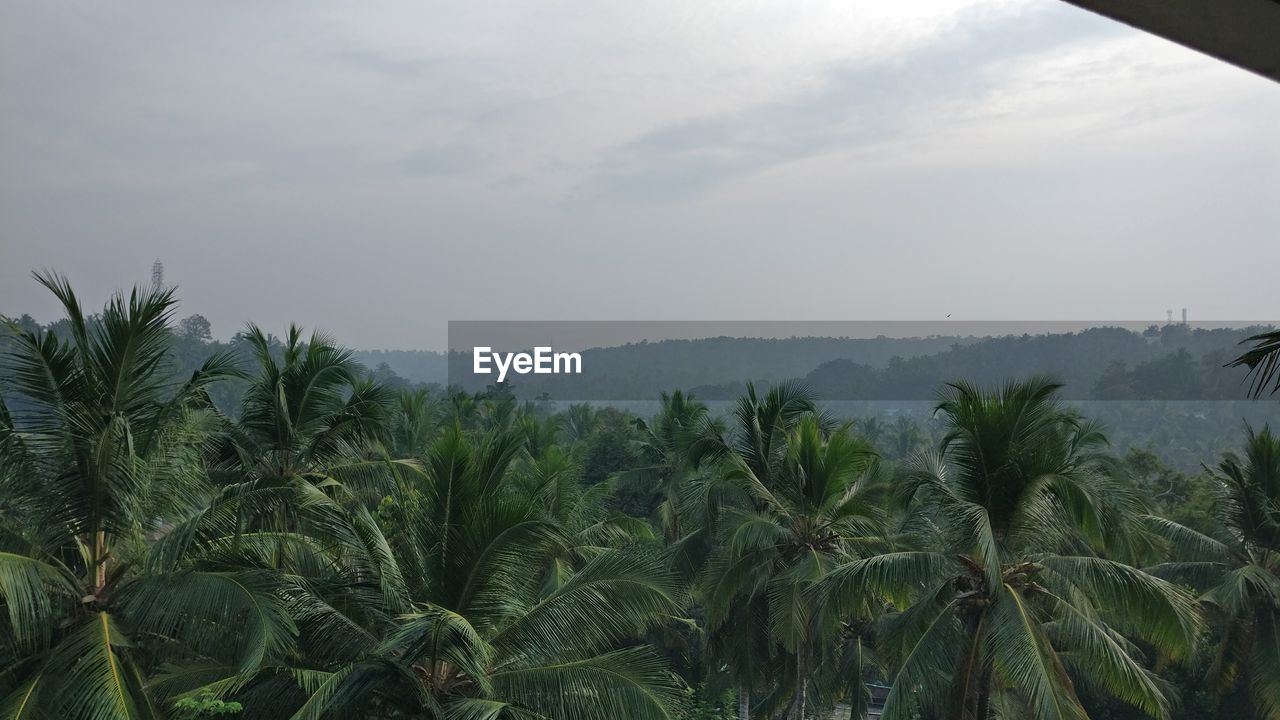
1263,361
1238,569
539,429
581,513
740,646
305,459
415,418
577,423
761,425
820,507
780,447
906,437
310,414
871,428
107,444
485,634
676,441
1008,607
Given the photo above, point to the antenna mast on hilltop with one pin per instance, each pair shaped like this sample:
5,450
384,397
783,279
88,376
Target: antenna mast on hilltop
157,274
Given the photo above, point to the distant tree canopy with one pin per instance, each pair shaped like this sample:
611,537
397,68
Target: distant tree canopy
195,327
1172,362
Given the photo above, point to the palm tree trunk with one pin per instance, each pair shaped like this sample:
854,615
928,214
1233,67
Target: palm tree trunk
744,702
802,681
99,561
984,694
972,682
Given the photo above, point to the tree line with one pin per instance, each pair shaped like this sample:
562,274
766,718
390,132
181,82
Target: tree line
1170,362
334,547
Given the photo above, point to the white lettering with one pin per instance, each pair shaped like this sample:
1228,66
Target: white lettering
498,359
543,361
572,363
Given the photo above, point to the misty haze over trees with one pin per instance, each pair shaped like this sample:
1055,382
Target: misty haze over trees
1111,372
1164,362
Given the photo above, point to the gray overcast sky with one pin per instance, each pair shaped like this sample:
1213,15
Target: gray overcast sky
377,169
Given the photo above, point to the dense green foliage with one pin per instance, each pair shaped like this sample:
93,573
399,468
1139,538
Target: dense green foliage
277,532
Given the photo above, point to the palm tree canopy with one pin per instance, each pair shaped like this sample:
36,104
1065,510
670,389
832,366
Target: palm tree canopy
1237,570
1263,361
108,440
1007,603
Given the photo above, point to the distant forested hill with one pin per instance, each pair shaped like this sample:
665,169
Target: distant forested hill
639,371
417,366
1169,363
1173,362
690,363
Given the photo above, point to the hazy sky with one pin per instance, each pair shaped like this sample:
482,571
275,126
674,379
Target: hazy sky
380,168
